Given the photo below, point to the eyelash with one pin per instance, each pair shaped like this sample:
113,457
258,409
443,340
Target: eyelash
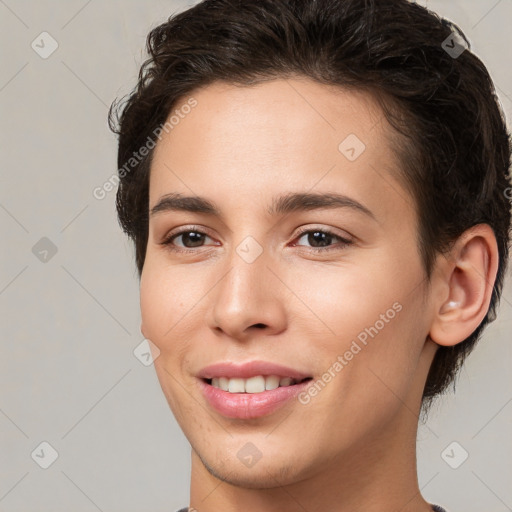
168,242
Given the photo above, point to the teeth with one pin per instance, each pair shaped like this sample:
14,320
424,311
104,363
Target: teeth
256,384
223,383
285,381
236,386
271,382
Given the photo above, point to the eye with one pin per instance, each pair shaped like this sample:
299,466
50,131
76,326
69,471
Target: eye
190,238
321,240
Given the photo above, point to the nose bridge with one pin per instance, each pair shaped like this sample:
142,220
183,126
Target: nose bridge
246,280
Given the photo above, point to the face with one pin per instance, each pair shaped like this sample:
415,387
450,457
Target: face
331,289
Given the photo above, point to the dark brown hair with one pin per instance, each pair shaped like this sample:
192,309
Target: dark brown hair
449,135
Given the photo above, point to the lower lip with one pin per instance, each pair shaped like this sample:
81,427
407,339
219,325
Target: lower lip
249,405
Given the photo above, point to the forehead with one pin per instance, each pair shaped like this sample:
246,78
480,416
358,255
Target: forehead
290,107
281,134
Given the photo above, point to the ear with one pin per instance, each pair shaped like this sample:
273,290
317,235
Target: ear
467,276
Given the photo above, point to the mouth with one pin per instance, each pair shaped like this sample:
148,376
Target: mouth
250,389
254,397
255,384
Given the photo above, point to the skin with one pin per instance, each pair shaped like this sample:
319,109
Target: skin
352,447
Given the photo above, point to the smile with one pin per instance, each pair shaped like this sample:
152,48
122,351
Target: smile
256,384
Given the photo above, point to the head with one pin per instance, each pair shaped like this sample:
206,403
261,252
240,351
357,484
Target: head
355,98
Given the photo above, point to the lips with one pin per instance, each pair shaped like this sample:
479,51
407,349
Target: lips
243,402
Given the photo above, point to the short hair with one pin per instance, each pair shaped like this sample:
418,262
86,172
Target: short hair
449,133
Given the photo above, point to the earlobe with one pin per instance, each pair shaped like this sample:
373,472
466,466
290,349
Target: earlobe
470,272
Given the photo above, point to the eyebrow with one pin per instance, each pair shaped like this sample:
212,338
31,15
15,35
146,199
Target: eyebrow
284,204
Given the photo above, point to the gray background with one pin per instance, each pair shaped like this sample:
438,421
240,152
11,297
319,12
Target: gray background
70,324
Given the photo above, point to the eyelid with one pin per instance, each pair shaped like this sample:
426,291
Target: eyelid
324,229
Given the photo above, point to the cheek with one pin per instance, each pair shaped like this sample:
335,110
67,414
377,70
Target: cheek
370,312
345,299
164,301
164,307
155,304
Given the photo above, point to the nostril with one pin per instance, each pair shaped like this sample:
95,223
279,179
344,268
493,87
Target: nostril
259,326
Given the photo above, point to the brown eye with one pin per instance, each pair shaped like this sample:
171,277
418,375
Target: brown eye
185,240
322,239
190,239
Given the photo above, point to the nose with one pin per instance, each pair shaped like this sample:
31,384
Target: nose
249,299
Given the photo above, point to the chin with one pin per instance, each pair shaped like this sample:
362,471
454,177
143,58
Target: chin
242,464
263,475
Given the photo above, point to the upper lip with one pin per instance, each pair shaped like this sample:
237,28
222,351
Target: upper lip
249,369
